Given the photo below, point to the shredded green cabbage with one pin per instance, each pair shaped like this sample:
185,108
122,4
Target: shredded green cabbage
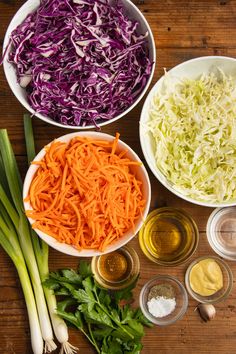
193,123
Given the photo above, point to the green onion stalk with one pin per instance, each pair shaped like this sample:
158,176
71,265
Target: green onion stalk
41,250
9,242
12,204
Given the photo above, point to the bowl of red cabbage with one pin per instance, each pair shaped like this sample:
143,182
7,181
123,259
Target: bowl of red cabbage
79,63
188,130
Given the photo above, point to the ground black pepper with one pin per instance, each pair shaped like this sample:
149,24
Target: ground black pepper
164,289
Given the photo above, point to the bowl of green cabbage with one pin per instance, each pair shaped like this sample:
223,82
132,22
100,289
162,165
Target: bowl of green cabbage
188,130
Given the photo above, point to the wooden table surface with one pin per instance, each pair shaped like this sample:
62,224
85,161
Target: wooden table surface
183,29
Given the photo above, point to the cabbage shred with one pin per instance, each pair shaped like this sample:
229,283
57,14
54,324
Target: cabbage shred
193,124
81,62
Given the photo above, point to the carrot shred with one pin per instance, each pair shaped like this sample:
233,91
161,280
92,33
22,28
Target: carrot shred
85,193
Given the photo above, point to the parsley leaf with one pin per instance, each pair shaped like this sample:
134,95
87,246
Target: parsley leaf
97,312
125,294
85,269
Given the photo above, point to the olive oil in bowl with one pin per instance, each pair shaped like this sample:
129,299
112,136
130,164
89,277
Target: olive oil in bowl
169,236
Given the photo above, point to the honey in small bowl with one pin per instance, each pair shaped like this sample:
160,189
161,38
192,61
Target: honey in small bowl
169,236
116,270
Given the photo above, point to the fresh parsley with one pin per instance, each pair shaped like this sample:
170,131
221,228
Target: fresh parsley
97,313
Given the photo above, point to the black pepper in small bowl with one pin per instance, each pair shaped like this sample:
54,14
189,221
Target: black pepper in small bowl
165,290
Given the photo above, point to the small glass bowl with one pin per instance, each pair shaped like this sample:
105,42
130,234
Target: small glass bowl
220,295
181,298
133,269
169,236
221,232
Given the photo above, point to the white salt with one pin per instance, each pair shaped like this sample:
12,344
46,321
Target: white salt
160,306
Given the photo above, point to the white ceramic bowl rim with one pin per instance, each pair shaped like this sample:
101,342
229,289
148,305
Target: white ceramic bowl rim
68,249
11,78
143,140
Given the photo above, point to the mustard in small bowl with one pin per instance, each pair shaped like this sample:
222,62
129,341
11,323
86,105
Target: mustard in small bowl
209,279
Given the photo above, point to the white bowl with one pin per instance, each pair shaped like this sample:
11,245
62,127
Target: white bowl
191,69
141,174
29,6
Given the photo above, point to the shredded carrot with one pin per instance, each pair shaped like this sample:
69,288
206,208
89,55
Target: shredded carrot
85,193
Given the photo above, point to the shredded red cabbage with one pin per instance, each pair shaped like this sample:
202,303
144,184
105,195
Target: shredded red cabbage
80,61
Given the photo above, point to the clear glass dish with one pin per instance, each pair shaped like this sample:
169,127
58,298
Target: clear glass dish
221,294
169,236
181,298
131,272
221,232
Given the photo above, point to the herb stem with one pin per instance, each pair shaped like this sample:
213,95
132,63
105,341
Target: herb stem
92,337
119,324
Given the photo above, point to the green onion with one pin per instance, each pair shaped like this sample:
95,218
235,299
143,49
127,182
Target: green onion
9,242
29,138
41,250
15,210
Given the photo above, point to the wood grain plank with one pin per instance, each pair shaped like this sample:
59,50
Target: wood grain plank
183,30
191,23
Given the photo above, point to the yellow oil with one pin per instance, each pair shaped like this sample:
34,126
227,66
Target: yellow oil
116,270
167,236
114,266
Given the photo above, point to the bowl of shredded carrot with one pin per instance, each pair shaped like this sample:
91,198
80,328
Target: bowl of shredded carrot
86,193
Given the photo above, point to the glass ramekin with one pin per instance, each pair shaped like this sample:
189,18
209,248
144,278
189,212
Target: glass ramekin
182,221
181,298
221,232
220,295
